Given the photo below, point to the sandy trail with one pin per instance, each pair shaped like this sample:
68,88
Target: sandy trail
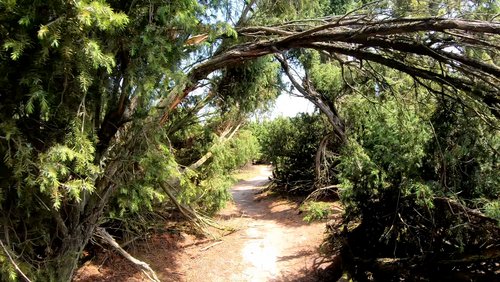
272,243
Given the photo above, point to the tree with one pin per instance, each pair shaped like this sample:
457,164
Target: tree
291,144
89,87
74,74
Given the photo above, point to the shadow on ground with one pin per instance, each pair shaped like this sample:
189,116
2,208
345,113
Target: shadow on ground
263,221
159,251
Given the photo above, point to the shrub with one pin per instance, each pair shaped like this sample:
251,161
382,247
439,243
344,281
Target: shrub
315,211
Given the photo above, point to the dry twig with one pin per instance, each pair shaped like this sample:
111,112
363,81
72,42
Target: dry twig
146,269
19,271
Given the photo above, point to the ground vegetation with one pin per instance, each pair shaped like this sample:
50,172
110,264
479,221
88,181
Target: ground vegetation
113,113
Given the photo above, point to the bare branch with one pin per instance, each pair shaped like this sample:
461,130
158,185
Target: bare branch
146,269
394,43
310,94
19,271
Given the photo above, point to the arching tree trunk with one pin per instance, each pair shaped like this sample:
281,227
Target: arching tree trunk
326,107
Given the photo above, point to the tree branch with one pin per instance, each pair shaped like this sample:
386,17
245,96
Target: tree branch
19,271
311,95
347,36
146,269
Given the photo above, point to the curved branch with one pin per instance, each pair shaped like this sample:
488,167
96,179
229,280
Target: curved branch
421,49
353,36
310,94
489,98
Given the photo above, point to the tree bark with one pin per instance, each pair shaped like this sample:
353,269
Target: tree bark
81,223
314,97
367,39
106,237
319,155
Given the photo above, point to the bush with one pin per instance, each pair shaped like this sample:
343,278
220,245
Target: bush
409,178
291,145
315,211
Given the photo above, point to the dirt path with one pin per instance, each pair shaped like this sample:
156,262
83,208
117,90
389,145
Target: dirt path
272,243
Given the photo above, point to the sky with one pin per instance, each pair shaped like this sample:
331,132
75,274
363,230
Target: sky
289,106
286,105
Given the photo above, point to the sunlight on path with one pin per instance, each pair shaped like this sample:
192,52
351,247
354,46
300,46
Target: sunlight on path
259,251
262,254
271,243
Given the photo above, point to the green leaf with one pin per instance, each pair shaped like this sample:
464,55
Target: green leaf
25,21
16,46
43,31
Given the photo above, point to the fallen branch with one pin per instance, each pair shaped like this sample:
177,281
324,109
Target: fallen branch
485,255
146,269
458,207
200,222
332,188
222,140
14,263
210,246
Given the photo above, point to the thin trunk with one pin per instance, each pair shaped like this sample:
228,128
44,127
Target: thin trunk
310,94
319,155
84,220
115,116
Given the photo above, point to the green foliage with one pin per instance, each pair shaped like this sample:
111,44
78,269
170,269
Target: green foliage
236,152
463,155
326,77
388,149
8,271
248,87
63,172
340,7
492,209
270,11
140,192
443,8
291,145
98,14
227,157
394,146
315,211
401,158
68,169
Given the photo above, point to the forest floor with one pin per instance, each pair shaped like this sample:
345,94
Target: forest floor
272,243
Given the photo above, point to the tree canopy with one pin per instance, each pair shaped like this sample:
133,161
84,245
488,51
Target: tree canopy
112,108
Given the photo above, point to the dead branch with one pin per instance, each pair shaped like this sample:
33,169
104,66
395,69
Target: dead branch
396,263
456,207
19,271
314,97
199,222
320,153
107,238
222,139
210,246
